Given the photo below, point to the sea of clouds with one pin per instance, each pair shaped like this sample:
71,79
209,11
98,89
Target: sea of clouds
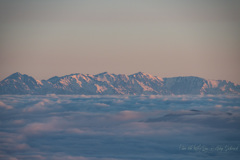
74,127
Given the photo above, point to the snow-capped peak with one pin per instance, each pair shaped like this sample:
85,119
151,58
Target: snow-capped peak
105,83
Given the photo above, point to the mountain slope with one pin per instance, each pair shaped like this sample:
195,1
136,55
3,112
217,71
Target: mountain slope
19,84
112,84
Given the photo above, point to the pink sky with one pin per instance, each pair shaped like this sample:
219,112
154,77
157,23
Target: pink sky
163,38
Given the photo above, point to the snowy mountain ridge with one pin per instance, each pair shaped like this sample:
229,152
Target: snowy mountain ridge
112,84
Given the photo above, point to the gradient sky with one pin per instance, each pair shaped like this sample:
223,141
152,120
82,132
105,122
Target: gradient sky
165,38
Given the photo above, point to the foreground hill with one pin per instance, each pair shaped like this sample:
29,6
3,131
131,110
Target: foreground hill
112,84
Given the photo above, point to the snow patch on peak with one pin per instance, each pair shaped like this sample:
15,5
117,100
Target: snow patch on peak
223,88
145,87
213,83
84,77
74,76
102,79
145,76
100,89
203,89
39,82
64,81
159,78
105,77
149,76
77,81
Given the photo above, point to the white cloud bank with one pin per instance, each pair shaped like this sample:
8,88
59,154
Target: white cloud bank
117,127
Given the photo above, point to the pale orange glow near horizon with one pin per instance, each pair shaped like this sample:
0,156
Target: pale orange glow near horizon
165,38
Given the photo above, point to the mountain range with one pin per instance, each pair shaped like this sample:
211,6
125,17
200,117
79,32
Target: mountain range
113,84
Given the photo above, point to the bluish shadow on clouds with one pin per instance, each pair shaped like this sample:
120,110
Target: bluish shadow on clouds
119,127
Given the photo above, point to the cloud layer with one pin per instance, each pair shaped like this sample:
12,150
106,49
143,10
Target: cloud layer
119,127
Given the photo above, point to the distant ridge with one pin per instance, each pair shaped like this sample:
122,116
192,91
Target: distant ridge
112,84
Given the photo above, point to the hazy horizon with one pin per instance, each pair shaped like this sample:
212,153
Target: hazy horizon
165,38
